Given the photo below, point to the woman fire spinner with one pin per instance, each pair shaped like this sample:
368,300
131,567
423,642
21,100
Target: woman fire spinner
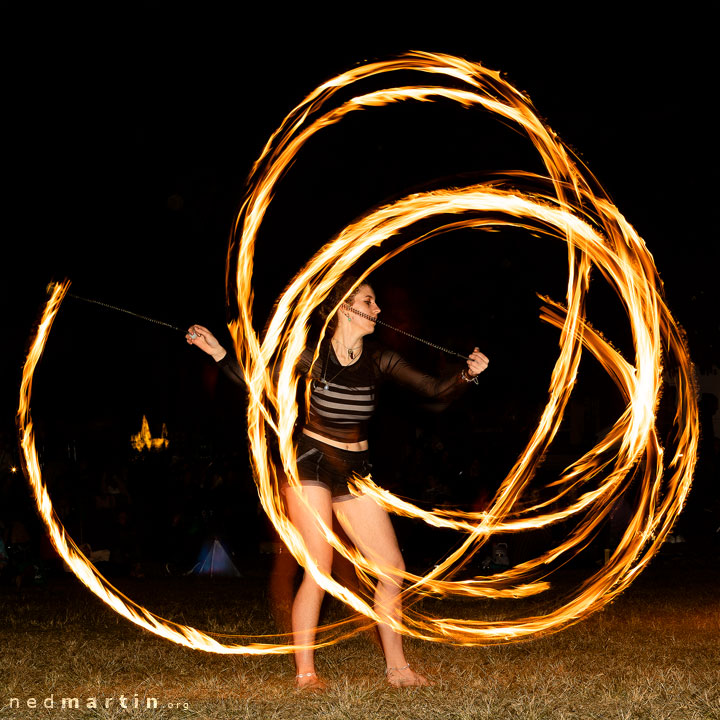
332,447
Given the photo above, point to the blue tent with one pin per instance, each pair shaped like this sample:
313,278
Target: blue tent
214,559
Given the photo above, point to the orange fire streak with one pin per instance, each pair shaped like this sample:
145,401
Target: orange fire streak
573,208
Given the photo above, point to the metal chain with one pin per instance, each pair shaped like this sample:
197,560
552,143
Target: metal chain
128,312
357,312
410,335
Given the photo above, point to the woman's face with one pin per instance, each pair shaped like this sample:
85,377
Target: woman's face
365,309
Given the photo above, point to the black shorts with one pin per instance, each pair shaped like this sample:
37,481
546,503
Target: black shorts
329,467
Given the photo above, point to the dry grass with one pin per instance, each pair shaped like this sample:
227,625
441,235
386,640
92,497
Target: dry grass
652,655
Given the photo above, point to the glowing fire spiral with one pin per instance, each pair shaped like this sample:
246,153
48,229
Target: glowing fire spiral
574,208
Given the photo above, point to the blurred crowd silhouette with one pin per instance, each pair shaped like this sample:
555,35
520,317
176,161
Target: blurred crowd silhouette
150,512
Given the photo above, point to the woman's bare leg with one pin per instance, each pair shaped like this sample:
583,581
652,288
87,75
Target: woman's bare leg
369,527
306,607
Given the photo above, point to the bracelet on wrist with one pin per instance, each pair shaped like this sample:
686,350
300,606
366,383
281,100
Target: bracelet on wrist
467,378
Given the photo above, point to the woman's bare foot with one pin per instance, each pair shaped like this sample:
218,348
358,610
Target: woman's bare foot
405,677
309,682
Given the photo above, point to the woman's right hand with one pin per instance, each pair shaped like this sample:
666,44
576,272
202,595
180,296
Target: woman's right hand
201,337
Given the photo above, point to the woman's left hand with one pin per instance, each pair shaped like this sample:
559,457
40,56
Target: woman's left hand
477,362
201,337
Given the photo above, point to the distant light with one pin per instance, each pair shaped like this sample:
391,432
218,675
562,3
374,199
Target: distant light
13,469
144,439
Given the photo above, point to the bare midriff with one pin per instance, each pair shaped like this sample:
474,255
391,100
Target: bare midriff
351,447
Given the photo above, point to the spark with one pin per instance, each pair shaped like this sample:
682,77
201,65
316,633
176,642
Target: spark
572,208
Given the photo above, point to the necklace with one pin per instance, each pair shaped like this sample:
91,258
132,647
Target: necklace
325,382
350,351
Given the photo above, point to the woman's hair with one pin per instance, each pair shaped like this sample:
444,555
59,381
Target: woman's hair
334,298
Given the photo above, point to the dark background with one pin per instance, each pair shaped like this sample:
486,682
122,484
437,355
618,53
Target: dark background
127,149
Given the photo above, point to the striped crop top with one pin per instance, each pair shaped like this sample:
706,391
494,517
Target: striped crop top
342,397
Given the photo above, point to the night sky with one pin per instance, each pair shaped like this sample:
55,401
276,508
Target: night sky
129,147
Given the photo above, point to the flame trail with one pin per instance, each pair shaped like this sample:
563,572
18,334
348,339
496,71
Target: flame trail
574,209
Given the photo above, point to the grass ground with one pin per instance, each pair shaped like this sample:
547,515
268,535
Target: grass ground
654,654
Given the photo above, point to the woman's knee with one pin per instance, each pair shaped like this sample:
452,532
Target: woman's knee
308,585
397,563
394,570
324,565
